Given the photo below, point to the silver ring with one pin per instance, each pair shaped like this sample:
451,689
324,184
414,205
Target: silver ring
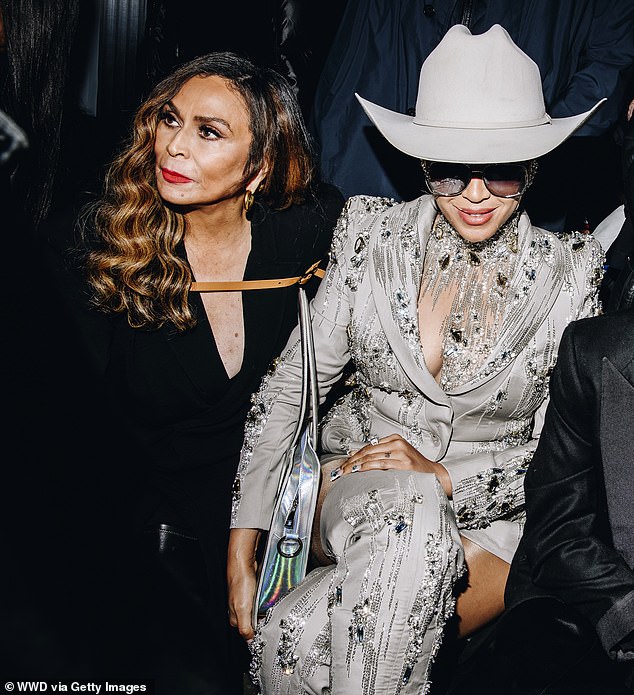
374,441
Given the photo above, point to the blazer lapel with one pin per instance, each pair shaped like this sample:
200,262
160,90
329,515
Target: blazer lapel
396,246
196,351
536,284
263,313
264,310
617,445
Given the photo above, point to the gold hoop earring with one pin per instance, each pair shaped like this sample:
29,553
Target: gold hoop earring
248,200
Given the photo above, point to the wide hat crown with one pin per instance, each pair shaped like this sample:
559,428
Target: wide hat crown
479,100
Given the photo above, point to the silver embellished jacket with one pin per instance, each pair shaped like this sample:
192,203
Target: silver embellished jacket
485,430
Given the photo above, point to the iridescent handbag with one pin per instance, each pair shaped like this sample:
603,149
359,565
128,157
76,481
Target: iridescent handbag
288,544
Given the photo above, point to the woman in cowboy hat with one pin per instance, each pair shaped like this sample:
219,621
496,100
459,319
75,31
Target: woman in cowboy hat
450,308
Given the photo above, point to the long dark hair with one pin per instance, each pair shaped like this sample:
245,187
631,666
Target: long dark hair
39,36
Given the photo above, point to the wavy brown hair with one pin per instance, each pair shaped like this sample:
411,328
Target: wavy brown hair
135,267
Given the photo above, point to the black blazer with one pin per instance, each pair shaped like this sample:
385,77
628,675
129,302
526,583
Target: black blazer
178,418
578,543
184,412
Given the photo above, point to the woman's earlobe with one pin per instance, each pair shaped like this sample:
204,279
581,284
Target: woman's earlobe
259,178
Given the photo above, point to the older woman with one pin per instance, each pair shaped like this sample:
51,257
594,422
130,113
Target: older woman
216,186
451,308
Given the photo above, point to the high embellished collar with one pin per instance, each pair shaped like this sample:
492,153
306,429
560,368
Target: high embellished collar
504,241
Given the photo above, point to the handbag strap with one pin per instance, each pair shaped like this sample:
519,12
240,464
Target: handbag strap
300,280
310,397
309,400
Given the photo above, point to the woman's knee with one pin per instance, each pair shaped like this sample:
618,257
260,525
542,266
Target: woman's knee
361,504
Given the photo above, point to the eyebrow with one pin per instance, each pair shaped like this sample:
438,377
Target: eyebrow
201,119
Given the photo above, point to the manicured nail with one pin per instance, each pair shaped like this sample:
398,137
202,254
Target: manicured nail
336,473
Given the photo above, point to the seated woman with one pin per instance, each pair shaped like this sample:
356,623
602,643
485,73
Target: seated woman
217,185
451,308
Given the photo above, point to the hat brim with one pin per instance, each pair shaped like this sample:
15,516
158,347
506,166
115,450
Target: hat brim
472,145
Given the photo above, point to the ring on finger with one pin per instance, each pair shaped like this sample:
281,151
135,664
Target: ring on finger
355,467
374,441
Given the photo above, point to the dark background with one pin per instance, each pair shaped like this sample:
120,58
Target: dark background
77,596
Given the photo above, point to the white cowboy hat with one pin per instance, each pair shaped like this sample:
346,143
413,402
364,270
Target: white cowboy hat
479,101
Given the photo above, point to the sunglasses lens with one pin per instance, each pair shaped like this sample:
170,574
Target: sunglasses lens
448,179
505,180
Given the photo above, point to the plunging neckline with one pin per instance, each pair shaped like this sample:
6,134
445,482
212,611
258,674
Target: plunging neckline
214,306
463,289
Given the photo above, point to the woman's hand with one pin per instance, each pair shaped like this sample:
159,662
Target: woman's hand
241,578
394,452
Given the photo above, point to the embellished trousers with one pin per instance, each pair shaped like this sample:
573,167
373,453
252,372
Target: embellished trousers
373,621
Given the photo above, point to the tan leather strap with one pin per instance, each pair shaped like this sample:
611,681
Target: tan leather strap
258,284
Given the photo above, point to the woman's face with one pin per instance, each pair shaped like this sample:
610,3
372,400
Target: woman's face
202,144
476,214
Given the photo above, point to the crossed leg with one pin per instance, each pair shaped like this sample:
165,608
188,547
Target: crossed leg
373,620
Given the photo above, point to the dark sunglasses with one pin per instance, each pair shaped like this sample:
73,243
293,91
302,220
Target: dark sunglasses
502,180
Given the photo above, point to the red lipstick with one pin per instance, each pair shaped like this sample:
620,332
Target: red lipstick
173,176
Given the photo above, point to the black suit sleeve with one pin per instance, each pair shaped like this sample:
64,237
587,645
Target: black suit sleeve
567,539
